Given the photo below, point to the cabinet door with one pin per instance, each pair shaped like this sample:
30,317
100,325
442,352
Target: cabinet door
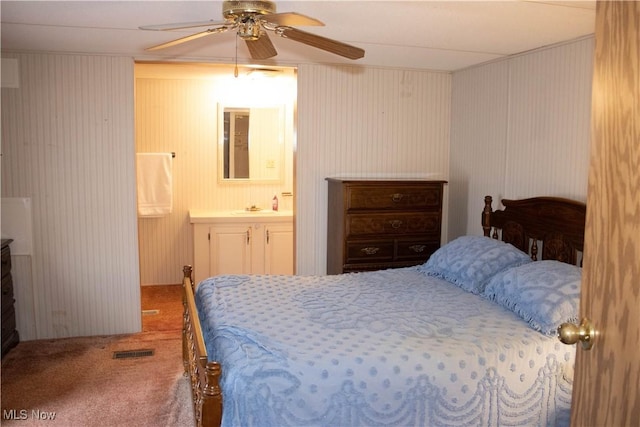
230,249
278,250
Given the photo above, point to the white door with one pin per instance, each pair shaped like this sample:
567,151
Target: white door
607,379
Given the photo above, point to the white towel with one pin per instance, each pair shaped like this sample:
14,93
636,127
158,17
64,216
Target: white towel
155,193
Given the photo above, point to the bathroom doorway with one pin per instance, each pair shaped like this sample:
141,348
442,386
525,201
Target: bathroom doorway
177,110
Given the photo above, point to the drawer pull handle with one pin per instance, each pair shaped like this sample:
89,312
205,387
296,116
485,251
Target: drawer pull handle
370,250
417,248
396,197
396,223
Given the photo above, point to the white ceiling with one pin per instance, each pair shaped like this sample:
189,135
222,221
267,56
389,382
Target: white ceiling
435,35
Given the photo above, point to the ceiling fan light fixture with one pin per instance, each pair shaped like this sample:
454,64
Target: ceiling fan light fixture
248,28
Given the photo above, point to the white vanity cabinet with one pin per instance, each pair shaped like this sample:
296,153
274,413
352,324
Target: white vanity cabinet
238,243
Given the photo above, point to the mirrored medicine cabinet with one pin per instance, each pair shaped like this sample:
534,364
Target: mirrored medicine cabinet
251,143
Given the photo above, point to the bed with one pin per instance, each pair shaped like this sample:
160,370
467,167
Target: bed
467,338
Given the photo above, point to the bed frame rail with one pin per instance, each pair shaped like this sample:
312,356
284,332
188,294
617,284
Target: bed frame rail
204,375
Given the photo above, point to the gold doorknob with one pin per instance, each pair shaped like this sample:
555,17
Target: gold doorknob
569,333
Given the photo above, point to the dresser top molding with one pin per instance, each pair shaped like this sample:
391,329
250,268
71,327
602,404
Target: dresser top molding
386,179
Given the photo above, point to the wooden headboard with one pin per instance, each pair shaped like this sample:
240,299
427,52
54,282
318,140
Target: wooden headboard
555,224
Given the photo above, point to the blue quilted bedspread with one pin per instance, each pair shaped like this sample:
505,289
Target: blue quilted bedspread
386,348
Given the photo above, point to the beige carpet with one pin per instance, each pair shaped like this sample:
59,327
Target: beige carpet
79,383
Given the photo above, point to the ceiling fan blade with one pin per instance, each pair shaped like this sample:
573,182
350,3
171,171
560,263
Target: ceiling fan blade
188,38
323,43
261,48
291,19
180,25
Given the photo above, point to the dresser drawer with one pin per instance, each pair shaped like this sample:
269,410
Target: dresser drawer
416,249
7,293
400,223
8,322
369,251
6,261
401,197
10,335
394,250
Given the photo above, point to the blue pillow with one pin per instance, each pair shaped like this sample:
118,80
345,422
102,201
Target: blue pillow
544,293
470,261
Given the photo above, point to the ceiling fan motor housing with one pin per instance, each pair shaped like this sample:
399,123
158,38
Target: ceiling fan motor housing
233,9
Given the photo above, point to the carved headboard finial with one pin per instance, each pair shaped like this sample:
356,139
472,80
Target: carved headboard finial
486,215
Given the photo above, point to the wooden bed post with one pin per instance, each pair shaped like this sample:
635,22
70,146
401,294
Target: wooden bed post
212,396
203,375
486,216
186,270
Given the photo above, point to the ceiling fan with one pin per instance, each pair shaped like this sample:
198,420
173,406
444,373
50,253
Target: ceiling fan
250,19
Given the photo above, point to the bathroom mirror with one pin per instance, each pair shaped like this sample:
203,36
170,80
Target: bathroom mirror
251,143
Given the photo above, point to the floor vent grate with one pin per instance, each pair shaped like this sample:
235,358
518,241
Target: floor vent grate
128,354
150,312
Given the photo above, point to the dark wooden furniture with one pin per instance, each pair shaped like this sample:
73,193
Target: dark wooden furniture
557,223
10,337
378,224
554,224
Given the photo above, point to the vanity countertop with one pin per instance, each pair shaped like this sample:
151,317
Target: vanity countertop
206,216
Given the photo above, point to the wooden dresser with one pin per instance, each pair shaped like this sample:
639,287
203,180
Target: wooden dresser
378,224
10,336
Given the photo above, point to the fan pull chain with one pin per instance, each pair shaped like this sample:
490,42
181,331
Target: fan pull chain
235,70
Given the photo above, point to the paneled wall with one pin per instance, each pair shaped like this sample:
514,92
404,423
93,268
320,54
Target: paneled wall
177,111
512,128
350,121
363,122
520,128
67,143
